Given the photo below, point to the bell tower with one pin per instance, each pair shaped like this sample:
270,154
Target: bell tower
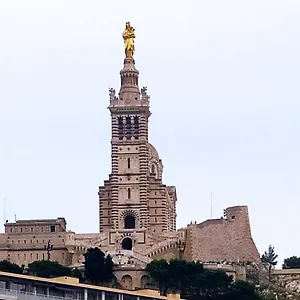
125,202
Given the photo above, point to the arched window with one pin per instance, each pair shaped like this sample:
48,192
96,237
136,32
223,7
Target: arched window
136,127
129,193
121,128
129,222
153,169
128,128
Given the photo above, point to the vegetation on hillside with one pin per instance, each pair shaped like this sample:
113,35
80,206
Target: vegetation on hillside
195,282
97,267
191,279
292,262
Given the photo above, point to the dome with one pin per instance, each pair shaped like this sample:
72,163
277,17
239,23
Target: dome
152,152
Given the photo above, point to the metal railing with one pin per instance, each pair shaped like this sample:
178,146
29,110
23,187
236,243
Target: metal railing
21,295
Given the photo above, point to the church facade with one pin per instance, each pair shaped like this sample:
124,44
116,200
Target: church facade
137,211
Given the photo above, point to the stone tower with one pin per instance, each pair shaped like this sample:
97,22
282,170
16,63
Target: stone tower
134,200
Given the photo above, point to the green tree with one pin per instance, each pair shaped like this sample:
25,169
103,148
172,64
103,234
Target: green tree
47,269
269,259
98,268
77,274
194,282
292,262
241,290
7,266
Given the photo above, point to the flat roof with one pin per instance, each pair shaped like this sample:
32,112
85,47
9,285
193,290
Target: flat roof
79,285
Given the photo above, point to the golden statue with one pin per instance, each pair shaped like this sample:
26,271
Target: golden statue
129,36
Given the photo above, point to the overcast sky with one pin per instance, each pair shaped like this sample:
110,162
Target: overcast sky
224,83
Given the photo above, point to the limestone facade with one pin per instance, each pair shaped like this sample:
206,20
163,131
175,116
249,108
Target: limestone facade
137,211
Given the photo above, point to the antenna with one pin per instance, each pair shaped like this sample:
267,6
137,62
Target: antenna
211,206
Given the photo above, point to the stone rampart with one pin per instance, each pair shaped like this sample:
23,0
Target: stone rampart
289,279
226,239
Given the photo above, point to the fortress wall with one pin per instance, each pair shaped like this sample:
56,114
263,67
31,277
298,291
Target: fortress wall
222,239
288,279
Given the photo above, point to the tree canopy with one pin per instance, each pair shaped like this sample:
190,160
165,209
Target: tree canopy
7,266
47,268
195,282
98,268
292,262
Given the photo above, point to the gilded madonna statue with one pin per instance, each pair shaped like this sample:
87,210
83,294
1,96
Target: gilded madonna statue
129,36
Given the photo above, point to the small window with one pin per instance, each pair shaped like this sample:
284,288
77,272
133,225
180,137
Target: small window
37,256
128,163
24,241
11,230
31,229
232,217
129,193
155,219
21,229
153,169
52,228
155,211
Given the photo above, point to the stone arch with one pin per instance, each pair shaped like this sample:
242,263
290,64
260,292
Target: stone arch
127,243
131,213
126,282
145,280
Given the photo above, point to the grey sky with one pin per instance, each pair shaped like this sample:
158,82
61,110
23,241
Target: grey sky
224,83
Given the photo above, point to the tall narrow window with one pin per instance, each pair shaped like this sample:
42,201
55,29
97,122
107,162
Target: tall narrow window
129,193
121,129
128,128
136,127
128,163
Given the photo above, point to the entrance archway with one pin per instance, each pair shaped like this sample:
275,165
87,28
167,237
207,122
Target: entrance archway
129,222
127,282
127,244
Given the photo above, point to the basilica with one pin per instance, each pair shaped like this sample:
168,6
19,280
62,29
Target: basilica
137,211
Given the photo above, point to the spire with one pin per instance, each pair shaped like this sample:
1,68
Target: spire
129,93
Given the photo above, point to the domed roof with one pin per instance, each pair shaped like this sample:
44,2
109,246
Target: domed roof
152,152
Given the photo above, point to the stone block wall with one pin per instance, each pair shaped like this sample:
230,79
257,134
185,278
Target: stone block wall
226,239
289,279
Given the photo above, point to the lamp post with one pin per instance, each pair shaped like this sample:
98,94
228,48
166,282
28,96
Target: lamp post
48,248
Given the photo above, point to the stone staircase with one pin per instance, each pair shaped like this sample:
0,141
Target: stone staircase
171,242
